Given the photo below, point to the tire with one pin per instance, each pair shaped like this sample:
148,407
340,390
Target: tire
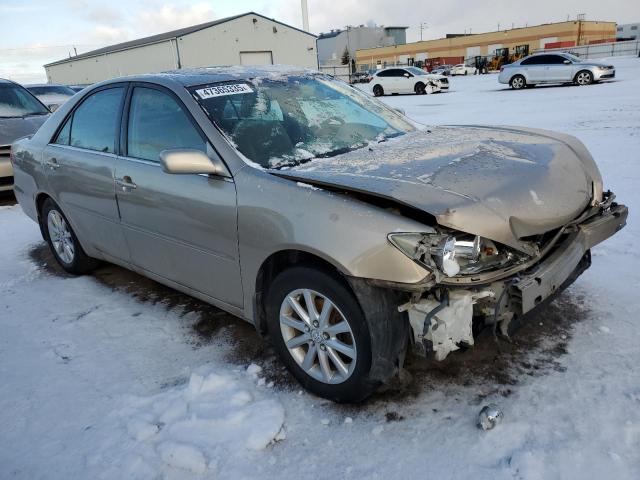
419,88
518,82
301,344
378,91
466,73
62,240
583,78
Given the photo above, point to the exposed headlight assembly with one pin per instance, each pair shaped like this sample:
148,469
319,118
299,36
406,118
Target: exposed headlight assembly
452,255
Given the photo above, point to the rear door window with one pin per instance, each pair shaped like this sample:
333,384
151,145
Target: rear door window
157,122
64,134
96,121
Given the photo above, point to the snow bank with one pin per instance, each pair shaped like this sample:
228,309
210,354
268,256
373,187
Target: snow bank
196,427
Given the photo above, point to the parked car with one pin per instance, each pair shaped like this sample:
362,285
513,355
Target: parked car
442,70
407,80
462,69
342,230
360,77
554,68
20,114
51,95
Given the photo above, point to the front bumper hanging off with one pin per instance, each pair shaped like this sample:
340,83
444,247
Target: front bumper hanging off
441,325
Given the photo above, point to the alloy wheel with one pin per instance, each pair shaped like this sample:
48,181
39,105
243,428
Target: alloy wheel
60,235
584,78
318,336
517,83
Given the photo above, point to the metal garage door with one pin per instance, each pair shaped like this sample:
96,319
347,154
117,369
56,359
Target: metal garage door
256,58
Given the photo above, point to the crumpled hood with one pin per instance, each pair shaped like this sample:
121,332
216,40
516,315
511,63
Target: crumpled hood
12,129
498,182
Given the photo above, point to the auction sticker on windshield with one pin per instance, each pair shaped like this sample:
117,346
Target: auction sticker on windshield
219,90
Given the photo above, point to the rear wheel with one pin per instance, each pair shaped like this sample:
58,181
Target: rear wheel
419,88
378,91
62,240
518,82
321,334
584,77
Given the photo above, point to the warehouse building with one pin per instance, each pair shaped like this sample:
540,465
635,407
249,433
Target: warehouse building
332,45
628,31
247,39
506,45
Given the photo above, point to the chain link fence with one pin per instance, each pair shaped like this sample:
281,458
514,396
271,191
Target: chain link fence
601,50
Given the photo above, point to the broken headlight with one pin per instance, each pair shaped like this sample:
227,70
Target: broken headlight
459,254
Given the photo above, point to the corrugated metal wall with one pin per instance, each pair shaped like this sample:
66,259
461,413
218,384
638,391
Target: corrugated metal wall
216,45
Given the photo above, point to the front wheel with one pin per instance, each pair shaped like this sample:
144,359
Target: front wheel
518,82
419,88
378,91
584,77
321,334
63,241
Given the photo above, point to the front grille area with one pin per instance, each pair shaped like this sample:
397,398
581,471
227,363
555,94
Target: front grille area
5,151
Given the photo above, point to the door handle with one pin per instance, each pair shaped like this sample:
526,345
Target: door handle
52,164
125,183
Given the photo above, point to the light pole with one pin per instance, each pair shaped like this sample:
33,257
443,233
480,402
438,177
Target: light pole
423,26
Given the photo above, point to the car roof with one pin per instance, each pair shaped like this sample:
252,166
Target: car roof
189,77
5,80
44,85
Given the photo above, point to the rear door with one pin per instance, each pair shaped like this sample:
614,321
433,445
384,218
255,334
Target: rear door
180,227
80,161
534,68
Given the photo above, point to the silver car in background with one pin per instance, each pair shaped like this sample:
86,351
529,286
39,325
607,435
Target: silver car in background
343,231
554,68
21,114
51,95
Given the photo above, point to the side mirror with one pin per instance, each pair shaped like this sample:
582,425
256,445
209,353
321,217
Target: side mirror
407,74
567,62
181,161
400,111
53,107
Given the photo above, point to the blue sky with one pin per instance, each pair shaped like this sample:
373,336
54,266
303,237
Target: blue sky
35,32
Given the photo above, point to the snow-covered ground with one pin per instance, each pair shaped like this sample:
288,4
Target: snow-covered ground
112,376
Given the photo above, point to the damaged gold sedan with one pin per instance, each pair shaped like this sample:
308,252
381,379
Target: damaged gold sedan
342,230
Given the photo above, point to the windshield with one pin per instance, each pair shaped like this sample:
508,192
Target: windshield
573,58
51,90
289,120
416,71
15,101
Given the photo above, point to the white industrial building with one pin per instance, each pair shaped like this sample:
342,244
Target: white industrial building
628,31
247,39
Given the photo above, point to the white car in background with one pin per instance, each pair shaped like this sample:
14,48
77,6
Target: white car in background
51,95
462,69
407,80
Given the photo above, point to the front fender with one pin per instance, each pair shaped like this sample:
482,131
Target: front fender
276,214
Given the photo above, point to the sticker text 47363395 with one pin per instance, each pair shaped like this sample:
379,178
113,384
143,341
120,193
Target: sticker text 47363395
227,89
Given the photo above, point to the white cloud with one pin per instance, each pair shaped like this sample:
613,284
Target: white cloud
169,17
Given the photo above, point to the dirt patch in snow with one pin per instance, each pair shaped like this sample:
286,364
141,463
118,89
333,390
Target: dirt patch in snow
211,324
496,365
